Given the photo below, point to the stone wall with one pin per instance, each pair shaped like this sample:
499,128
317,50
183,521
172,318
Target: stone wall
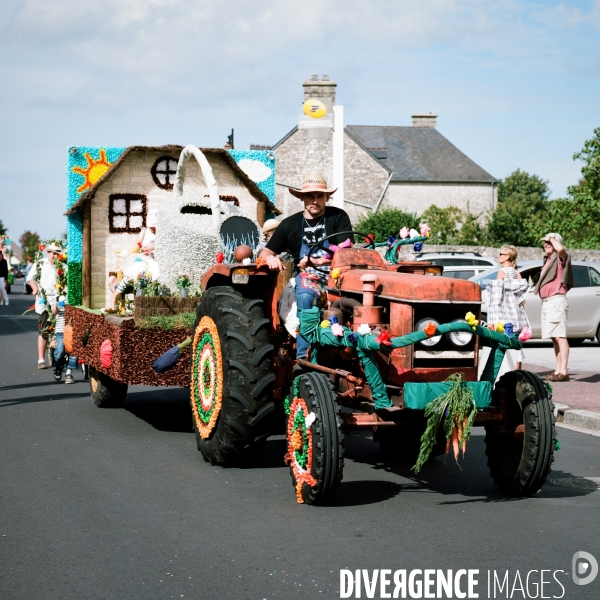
417,197
364,177
133,177
524,252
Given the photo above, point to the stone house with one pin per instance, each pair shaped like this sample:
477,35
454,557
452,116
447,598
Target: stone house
108,209
409,168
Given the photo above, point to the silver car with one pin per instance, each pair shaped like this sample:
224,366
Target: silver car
459,265
583,321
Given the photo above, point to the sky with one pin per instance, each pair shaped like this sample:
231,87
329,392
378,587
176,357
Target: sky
515,84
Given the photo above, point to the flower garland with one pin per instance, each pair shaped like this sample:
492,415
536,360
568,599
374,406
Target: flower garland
60,268
299,442
207,377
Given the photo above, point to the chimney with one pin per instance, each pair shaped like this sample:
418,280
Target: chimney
323,90
423,120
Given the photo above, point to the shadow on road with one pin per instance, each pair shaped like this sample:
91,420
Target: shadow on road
50,398
470,479
166,409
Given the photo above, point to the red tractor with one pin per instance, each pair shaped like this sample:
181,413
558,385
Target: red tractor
244,377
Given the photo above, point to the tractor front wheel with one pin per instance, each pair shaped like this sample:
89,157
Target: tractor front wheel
231,377
105,391
315,440
520,449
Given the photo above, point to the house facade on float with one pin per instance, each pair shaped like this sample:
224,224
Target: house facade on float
408,168
112,190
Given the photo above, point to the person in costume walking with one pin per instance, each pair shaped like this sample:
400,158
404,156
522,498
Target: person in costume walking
42,279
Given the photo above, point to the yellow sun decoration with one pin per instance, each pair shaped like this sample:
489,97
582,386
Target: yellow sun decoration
93,171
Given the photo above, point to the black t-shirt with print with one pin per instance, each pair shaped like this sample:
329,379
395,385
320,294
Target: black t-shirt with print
290,233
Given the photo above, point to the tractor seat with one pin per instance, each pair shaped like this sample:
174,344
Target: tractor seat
357,258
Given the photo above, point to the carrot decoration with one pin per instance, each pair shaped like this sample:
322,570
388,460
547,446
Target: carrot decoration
68,337
455,411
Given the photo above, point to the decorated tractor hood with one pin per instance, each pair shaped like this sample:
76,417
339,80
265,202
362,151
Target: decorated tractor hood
353,263
413,288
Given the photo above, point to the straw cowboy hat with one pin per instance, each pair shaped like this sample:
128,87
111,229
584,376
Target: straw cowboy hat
313,182
269,225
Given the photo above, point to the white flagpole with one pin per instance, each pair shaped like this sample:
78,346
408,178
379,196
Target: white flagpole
338,156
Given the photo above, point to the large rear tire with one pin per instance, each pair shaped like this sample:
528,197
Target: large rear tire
315,440
105,391
231,377
520,448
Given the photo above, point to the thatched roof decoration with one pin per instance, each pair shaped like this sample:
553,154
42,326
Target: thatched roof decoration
252,187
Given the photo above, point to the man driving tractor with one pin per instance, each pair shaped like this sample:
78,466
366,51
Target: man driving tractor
298,233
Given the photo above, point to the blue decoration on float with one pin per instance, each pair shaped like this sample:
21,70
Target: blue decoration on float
259,165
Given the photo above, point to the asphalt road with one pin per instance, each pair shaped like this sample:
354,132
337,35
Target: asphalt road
118,503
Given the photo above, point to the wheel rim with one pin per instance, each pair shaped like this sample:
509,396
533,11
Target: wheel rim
93,380
207,377
300,445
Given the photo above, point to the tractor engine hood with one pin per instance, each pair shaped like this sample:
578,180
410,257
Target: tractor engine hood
410,288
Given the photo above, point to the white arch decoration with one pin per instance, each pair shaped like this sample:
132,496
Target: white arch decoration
213,192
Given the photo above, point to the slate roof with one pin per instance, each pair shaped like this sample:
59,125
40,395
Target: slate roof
418,154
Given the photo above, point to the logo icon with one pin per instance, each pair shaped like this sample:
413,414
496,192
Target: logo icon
314,108
585,568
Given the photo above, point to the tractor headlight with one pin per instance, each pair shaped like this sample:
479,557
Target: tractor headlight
432,341
459,338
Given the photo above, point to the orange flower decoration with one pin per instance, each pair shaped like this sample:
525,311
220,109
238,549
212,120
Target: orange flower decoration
430,330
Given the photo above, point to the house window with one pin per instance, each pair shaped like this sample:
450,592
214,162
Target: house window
163,172
126,213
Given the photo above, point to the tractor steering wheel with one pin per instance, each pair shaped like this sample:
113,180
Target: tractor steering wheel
319,246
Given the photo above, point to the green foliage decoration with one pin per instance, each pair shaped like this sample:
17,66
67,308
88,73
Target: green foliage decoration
180,321
455,411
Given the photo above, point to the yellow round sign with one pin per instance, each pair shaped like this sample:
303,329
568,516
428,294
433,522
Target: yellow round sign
314,108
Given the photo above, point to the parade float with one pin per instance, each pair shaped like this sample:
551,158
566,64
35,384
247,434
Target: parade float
394,351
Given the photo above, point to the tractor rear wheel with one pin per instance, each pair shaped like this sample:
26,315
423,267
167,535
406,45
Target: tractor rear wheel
231,377
315,440
520,449
105,391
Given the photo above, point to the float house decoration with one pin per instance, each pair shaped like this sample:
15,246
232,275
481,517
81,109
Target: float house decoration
111,190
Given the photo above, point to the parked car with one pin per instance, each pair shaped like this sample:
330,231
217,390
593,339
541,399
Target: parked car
459,265
584,298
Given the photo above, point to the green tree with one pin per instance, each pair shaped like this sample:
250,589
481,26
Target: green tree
387,222
583,224
445,223
29,243
472,232
520,217
3,230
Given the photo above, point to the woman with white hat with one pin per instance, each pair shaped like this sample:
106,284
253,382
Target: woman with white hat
42,278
